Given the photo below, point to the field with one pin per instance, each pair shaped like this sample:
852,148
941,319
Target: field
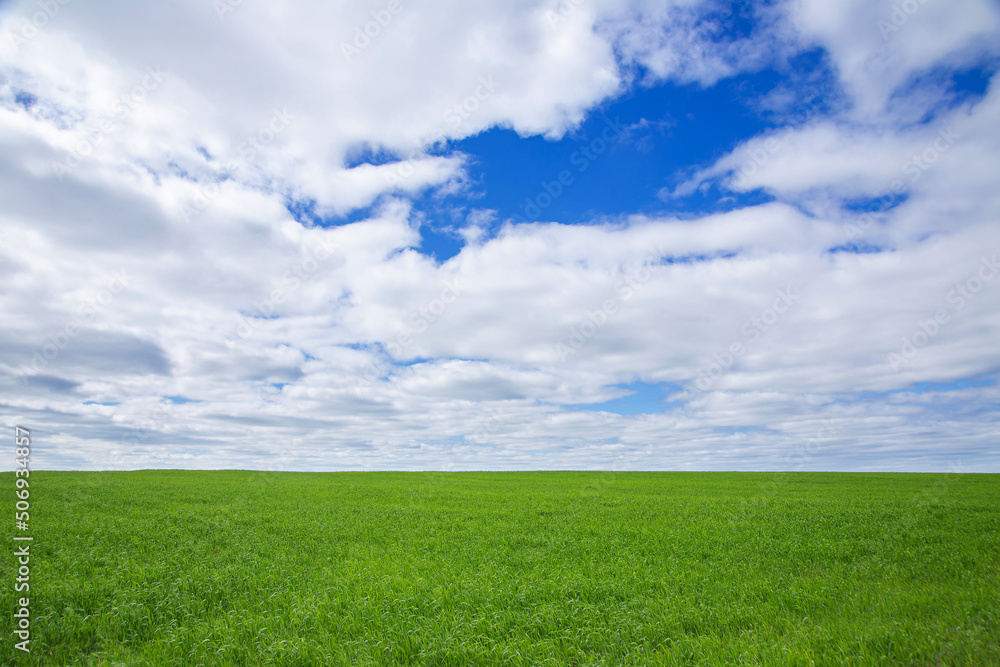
551,568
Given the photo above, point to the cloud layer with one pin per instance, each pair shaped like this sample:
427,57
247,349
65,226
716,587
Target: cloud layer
164,306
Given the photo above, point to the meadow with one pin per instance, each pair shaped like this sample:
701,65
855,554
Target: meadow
192,568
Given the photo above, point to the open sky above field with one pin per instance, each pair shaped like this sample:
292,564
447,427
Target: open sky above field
501,235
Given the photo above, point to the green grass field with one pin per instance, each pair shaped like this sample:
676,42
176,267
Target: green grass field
237,568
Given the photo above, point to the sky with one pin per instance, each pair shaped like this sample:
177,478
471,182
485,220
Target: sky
504,235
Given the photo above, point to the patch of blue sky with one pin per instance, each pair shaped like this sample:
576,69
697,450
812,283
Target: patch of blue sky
642,398
923,388
181,400
948,86
630,153
25,99
857,248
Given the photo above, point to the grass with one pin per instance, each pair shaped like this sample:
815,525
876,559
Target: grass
236,568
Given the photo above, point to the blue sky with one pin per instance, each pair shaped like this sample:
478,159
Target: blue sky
648,140
545,235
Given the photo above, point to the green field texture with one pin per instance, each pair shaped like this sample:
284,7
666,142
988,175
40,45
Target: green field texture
545,568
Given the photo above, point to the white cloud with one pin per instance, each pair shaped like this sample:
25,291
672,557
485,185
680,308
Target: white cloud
365,353
879,46
684,41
